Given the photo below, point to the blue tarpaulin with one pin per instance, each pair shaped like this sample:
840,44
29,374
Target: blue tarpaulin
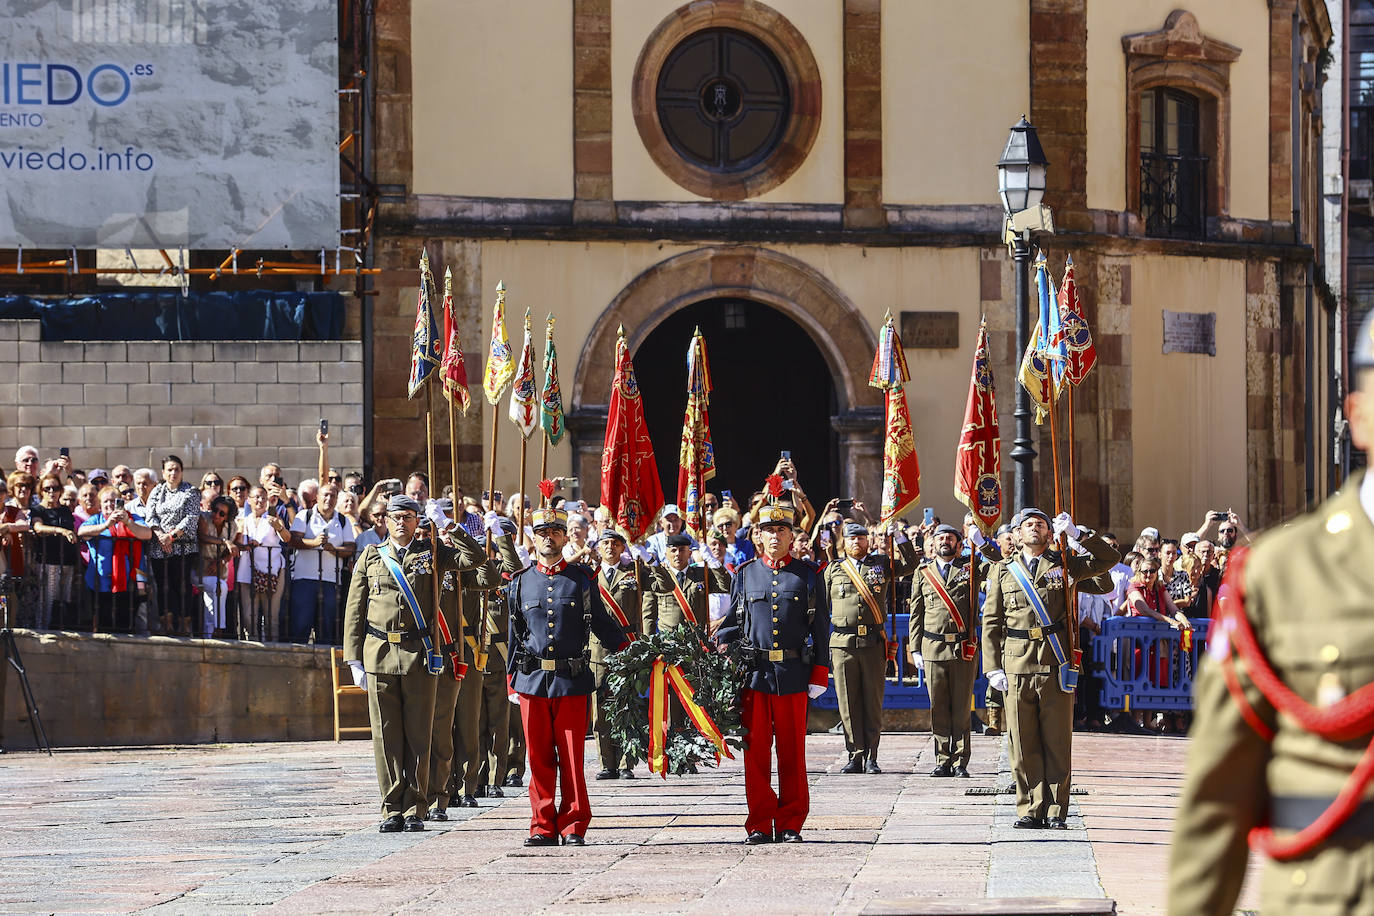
168,315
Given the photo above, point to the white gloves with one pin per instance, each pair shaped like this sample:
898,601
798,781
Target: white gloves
920,662
709,559
997,680
513,697
492,522
898,533
976,537
436,515
814,690
529,532
642,553
1063,524
359,675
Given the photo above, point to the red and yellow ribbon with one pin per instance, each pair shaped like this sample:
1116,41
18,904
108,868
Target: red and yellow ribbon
660,678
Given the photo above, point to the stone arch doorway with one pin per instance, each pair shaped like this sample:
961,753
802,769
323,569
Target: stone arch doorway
747,342
841,335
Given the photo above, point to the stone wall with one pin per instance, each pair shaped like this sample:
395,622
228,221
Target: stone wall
228,406
105,690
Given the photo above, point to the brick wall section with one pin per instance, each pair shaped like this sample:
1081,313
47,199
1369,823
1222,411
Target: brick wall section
394,162
863,114
593,200
1281,110
227,406
1111,406
1059,104
1262,380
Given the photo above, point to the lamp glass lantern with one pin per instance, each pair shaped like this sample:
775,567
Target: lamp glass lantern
1021,170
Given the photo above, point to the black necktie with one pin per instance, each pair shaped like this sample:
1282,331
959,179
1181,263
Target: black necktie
1034,562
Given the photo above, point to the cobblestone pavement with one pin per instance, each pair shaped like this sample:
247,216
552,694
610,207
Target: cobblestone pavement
292,828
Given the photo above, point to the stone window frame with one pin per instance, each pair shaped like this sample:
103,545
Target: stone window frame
782,38
1179,56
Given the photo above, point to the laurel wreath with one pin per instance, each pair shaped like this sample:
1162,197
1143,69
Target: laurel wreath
716,678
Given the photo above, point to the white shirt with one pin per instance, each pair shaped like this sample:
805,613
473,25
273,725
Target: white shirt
315,562
1121,583
1093,607
368,538
259,528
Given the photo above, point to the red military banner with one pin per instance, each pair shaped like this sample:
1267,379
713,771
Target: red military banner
630,487
978,460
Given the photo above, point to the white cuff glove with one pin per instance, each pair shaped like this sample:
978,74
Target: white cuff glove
492,522
359,675
436,515
1063,524
709,560
976,538
529,532
920,662
898,533
997,680
814,690
642,553
514,698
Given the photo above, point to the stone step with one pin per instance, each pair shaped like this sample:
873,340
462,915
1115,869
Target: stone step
997,906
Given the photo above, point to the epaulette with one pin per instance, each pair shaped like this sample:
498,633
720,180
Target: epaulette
745,565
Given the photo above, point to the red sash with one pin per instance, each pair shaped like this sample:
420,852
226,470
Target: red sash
614,606
970,643
126,555
682,599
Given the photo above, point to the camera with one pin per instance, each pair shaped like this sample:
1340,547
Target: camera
845,505
786,455
279,480
324,426
1218,516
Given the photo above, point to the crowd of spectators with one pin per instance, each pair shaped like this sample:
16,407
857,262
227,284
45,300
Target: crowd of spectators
146,551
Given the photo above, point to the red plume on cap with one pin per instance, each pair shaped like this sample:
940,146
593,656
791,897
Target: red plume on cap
547,487
774,485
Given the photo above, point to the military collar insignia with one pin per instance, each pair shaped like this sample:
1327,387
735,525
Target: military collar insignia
553,570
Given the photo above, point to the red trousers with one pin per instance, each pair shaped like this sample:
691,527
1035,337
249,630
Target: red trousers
769,718
555,734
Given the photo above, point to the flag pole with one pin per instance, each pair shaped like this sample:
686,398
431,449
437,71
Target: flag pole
520,505
457,507
543,463
429,457
1073,480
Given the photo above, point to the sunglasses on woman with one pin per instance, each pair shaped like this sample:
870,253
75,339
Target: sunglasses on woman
52,489
211,482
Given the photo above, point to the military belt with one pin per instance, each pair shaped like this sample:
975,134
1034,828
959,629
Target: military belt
395,637
568,667
1036,632
777,655
957,637
860,630
1291,812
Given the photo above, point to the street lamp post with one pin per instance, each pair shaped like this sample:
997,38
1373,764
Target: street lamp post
1021,185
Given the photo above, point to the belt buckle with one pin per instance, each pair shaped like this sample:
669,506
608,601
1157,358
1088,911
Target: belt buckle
863,630
1036,632
393,638
548,664
951,637
775,655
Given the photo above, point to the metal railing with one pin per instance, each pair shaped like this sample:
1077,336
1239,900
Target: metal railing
1173,195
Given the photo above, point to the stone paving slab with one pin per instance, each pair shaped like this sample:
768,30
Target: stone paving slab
291,828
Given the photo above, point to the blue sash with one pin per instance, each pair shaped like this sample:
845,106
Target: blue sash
1068,675
434,662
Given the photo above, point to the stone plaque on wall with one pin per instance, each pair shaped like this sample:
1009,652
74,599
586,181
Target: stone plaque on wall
930,330
1189,332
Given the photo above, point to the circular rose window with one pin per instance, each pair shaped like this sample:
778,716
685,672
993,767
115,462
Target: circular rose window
727,98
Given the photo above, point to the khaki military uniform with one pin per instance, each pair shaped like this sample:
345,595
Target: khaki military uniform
380,629
949,676
486,727
446,696
858,646
1039,713
626,584
660,608
1307,596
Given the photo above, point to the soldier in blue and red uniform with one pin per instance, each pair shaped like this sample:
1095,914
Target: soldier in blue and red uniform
555,609
779,610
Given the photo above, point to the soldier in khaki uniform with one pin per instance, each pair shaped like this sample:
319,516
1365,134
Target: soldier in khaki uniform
1295,612
944,644
489,746
383,643
621,585
677,581
859,585
1021,660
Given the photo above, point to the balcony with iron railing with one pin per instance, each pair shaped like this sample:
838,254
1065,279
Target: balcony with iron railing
1173,195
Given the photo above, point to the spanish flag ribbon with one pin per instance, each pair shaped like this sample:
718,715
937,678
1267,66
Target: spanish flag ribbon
662,676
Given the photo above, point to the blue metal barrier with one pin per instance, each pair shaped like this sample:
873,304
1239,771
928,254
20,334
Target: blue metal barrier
908,689
1140,664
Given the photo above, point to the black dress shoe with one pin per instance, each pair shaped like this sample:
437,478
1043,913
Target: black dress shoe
789,836
627,773
495,792
414,824
513,781
393,824
608,774
942,770
1029,823
1056,823
541,839
872,766
481,792
758,838
438,814
855,765
574,839
961,772
467,801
